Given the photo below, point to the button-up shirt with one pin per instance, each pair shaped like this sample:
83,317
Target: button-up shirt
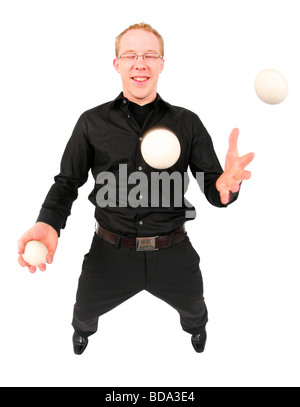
106,140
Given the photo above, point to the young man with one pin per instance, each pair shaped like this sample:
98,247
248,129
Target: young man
136,247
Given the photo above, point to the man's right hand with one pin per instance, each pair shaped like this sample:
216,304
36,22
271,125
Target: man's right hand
43,233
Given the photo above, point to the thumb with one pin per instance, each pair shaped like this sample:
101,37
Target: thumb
23,240
233,139
51,244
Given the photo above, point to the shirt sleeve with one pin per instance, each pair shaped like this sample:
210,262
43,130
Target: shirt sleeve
75,164
205,166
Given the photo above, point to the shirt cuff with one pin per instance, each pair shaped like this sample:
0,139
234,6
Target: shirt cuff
215,199
51,218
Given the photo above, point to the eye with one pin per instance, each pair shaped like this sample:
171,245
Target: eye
151,57
128,57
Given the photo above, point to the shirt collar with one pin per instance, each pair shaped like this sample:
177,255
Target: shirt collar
159,100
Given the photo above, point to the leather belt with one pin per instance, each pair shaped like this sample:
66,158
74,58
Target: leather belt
142,243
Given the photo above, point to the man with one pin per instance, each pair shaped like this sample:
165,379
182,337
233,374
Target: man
136,247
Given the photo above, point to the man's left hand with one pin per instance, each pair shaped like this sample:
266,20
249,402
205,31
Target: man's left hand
234,173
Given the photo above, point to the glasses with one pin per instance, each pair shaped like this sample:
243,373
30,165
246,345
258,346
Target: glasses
148,57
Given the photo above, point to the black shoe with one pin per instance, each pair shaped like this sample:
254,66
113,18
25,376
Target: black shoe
199,342
79,343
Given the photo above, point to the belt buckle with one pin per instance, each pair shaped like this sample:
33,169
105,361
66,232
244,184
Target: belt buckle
145,244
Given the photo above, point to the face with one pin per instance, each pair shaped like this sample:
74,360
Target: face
139,78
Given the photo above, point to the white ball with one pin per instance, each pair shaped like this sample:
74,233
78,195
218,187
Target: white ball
271,86
160,148
35,253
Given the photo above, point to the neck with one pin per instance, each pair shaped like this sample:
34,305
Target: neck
140,101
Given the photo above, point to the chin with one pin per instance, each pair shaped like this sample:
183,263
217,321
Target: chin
142,93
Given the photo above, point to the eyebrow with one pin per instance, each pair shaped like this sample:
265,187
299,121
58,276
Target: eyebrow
146,52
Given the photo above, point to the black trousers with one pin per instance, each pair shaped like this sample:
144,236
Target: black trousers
111,275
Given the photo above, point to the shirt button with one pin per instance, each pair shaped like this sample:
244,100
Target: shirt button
140,168
141,222
124,101
129,116
140,138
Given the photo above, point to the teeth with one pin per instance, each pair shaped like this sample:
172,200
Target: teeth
140,79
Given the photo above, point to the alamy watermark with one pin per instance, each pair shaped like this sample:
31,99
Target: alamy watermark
138,189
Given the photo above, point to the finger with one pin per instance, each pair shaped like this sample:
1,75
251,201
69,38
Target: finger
235,188
51,252
21,245
224,196
247,175
42,267
246,159
49,258
22,262
233,139
239,176
32,269
51,244
23,240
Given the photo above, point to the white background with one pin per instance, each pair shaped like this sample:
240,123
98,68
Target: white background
56,63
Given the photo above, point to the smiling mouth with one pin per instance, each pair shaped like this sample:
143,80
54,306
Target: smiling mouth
140,78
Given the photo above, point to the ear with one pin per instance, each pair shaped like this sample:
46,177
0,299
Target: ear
116,65
162,64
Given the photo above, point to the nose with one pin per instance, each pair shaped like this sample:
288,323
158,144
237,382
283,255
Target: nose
139,62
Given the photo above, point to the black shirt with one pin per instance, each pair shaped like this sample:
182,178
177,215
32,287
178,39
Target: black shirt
140,113
109,135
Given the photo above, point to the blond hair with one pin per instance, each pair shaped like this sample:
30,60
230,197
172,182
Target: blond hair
141,26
